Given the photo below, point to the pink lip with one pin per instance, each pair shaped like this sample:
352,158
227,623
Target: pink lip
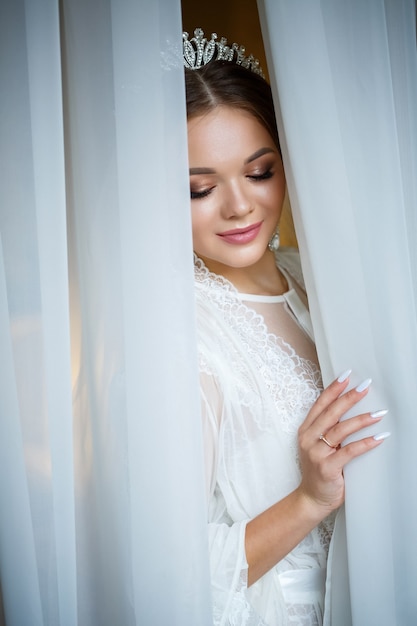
241,235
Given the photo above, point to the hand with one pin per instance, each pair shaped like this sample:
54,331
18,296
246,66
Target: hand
322,463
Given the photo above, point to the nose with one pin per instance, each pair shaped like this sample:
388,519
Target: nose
236,202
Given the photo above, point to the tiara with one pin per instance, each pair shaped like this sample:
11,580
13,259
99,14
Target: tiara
198,51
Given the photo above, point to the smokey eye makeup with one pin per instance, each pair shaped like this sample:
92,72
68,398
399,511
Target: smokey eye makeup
262,175
196,194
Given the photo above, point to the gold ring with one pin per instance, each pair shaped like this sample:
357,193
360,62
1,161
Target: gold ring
327,442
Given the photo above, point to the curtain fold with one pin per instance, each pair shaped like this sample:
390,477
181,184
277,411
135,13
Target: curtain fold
102,512
37,334
345,83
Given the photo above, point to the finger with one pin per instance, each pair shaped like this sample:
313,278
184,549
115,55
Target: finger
329,395
335,411
355,449
337,434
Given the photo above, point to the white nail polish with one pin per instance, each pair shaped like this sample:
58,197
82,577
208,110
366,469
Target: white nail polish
344,376
380,413
382,436
364,385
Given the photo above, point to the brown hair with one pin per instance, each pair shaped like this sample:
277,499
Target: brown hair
228,84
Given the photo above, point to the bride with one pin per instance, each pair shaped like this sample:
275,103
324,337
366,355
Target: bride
272,435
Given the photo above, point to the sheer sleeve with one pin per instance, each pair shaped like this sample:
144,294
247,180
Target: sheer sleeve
228,563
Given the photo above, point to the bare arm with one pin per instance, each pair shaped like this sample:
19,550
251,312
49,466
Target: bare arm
275,532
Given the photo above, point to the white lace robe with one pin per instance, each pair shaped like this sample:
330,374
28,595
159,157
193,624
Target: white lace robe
259,377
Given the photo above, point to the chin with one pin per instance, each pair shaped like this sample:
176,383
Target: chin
237,260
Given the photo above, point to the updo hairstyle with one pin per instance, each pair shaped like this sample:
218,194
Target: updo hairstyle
228,84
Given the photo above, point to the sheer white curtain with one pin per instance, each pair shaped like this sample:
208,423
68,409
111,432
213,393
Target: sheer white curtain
102,517
346,75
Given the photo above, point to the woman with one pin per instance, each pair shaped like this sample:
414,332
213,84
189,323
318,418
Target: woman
272,436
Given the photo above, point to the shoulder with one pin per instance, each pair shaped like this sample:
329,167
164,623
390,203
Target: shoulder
288,259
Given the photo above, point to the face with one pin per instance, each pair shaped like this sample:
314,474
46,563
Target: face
237,188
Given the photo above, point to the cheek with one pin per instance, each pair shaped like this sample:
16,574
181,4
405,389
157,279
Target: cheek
280,195
199,223
272,197
277,194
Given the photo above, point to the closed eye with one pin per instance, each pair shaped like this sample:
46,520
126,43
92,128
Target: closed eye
263,176
195,195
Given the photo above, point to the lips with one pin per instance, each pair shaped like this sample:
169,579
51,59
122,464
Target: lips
239,236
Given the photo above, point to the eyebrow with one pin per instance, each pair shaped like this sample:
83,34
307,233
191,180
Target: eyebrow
201,170
258,154
195,171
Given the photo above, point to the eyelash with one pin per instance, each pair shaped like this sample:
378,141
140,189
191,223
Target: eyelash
264,176
197,195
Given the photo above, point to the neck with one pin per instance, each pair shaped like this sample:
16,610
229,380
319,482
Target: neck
263,278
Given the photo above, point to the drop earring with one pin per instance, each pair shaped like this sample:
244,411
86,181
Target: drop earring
274,242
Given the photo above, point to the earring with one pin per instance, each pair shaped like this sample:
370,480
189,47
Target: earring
274,242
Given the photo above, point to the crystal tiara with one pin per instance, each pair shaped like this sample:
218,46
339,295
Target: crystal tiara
198,51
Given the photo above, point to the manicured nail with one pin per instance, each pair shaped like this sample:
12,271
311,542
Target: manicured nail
344,376
364,385
377,414
382,436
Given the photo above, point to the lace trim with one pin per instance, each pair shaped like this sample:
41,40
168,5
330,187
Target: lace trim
293,382
242,613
